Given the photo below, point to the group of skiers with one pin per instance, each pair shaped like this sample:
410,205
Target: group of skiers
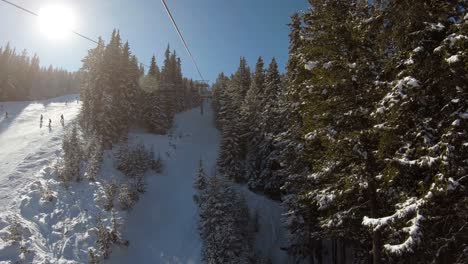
62,120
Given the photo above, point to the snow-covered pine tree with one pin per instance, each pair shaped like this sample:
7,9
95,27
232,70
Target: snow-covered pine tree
154,69
69,169
110,90
270,124
335,94
167,86
200,184
154,118
233,144
111,128
91,94
220,99
251,111
223,225
422,128
95,157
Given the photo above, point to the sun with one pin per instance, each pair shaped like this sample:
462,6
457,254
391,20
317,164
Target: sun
56,21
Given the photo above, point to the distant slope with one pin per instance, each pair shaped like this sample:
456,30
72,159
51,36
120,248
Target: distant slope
25,147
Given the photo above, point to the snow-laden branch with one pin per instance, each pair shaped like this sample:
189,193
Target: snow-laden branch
414,237
411,206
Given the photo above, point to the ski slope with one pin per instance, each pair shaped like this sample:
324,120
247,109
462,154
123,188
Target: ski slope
25,147
162,227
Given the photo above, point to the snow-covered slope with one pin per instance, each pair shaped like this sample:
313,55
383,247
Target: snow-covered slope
162,227
25,147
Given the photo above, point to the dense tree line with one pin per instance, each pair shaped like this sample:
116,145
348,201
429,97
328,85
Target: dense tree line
117,94
364,138
22,78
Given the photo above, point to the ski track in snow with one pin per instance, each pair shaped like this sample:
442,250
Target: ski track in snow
25,147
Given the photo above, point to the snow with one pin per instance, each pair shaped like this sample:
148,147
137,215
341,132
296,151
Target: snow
162,227
27,155
272,235
409,206
409,61
397,94
437,27
311,65
324,199
414,237
410,81
21,138
453,59
452,39
327,65
310,136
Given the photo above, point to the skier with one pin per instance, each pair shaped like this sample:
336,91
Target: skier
41,118
6,115
62,120
50,122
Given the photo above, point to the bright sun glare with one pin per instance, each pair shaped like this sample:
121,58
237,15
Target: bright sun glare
56,21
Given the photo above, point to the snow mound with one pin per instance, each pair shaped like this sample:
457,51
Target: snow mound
57,222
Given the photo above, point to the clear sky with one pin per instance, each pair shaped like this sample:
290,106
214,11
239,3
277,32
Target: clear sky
218,31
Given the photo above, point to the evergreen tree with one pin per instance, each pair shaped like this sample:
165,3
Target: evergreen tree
223,225
154,69
421,130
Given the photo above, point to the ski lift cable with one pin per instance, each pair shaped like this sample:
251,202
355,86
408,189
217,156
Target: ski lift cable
37,15
181,38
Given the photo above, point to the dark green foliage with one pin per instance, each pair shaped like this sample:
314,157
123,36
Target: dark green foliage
363,139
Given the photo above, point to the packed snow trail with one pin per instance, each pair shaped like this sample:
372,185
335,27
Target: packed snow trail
162,227
25,147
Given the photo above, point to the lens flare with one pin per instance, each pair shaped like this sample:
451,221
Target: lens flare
56,21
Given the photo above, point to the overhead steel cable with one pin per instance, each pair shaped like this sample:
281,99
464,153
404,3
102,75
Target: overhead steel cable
182,38
73,31
37,15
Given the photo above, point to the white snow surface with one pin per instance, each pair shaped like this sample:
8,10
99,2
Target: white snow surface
28,152
272,235
23,144
161,228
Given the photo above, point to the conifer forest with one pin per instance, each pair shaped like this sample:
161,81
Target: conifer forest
349,148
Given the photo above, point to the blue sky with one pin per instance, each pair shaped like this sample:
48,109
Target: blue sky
218,31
